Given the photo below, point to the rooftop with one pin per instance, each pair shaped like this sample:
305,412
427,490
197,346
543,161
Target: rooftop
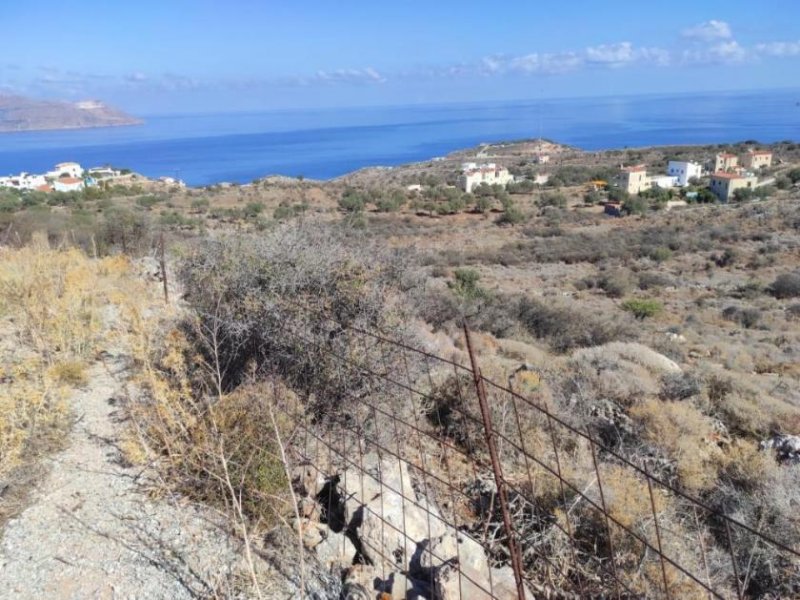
634,169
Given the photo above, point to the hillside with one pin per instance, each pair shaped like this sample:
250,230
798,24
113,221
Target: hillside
25,114
294,387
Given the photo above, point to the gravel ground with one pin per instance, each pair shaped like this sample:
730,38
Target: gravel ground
92,532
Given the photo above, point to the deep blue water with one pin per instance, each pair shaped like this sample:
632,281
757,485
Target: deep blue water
203,149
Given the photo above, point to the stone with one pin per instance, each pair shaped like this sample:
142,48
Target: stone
394,544
308,480
313,532
308,508
385,515
336,550
363,581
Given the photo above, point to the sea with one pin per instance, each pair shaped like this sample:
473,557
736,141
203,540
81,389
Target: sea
204,149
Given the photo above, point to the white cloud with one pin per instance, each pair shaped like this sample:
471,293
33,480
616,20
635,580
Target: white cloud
352,76
729,52
780,49
136,77
549,63
709,31
611,54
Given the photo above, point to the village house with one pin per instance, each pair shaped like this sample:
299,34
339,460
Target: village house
68,184
103,173
541,159
70,169
23,181
632,179
725,184
473,175
757,159
725,162
683,171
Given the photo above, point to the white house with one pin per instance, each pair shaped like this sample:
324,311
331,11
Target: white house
68,184
684,170
663,181
103,173
71,169
23,181
474,175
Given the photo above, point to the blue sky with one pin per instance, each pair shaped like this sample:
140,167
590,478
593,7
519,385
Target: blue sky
172,56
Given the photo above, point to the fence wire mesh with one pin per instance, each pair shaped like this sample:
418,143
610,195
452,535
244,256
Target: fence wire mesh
446,484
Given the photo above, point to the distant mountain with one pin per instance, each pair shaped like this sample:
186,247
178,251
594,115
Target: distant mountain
24,114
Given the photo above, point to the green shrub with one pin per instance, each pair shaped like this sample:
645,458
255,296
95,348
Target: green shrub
642,308
253,209
556,199
352,201
148,201
9,204
511,216
660,254
465,284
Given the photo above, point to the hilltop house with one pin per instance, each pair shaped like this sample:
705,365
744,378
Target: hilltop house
683,171
725,184
725,162
757,159
473,175
103,173
70,169
632,179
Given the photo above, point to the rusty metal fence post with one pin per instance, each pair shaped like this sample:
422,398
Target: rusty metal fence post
163,263
502,492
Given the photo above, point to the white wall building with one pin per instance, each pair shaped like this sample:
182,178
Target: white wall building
68,184
71,169
663,181
23,181
103,173
684,171
488,173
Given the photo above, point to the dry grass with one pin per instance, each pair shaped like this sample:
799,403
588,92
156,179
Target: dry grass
52,305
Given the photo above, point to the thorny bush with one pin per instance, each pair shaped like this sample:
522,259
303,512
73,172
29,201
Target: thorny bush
286,304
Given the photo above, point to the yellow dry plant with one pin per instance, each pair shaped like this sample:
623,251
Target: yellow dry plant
57,308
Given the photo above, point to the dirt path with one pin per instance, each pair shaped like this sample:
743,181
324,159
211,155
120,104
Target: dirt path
91,532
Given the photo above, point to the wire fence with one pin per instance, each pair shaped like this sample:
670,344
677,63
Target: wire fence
451,485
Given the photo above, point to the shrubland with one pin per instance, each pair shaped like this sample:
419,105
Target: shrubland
670,340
